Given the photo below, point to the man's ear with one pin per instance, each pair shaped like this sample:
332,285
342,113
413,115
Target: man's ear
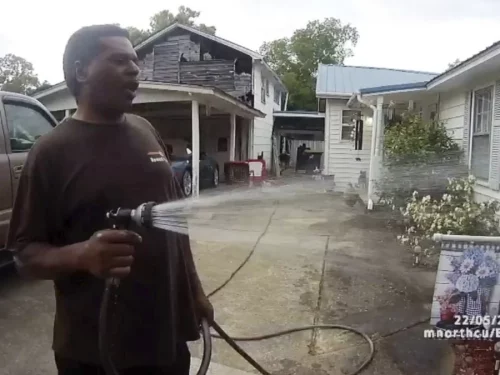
80,72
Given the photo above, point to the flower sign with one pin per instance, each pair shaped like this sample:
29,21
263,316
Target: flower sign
474,275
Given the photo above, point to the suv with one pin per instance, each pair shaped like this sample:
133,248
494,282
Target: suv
22,121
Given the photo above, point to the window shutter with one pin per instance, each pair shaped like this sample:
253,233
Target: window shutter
495,141
466,137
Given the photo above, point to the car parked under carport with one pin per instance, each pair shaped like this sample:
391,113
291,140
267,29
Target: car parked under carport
182,167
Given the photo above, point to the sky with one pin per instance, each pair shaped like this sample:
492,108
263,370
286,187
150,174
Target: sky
422,35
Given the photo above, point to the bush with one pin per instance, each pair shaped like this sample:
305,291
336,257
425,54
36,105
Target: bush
418,155
454,213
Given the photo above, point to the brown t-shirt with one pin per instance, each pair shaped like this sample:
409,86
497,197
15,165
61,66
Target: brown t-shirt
71,178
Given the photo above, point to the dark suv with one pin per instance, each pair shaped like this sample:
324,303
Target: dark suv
22,121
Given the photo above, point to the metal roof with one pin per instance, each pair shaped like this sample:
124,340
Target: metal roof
337,80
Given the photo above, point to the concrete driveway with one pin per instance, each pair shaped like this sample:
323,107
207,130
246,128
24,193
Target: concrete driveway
314,261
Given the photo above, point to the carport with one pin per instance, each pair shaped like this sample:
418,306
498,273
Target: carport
206,118
294,128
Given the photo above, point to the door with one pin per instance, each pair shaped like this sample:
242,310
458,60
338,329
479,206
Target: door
26,122
5,185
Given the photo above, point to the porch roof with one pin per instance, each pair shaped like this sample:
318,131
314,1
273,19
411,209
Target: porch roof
58,97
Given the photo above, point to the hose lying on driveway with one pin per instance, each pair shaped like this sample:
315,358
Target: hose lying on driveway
143,216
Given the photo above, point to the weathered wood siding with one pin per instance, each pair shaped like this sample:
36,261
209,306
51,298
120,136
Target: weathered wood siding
166,62
215,73
178,60
146,65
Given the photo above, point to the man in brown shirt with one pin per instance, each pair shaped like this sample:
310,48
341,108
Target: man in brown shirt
93,162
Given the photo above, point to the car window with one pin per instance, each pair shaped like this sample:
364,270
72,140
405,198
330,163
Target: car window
26,124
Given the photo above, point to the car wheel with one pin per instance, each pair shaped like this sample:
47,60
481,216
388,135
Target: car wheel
187,183
215,178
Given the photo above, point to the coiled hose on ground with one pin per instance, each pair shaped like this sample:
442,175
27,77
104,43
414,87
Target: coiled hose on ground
110,291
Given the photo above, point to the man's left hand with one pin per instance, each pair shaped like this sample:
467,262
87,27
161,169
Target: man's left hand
204,308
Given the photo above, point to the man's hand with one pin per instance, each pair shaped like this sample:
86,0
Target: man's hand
109,253
204,308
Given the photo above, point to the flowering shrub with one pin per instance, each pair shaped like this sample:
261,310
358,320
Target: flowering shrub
454,213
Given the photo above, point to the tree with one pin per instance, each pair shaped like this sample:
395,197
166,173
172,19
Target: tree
296,59
17,75
454,64
137,35
164,18
44,86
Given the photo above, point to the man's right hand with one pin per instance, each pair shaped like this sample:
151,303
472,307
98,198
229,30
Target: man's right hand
109,253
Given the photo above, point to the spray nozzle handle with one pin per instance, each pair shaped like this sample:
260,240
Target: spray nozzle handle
120,218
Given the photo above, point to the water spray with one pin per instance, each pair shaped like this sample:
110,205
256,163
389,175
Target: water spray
172,216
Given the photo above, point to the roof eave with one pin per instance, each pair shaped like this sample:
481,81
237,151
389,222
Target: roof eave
227,43
333,95
462,68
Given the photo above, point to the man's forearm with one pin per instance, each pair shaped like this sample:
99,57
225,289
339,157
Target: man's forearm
43,261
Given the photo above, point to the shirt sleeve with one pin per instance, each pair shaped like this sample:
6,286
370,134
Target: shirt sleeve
30,219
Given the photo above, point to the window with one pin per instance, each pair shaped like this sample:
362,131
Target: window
482,112
222,144
267,87
349,118
26,124
277,96
321,105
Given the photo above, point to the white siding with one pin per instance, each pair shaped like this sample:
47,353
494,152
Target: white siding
341,154
451,113
263,127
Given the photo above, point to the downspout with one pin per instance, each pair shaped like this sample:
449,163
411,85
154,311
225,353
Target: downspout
372,150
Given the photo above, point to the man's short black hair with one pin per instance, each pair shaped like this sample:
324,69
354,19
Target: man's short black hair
83,46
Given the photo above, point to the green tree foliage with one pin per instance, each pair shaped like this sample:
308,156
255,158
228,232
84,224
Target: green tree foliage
454,64
164,18
296,59
17,75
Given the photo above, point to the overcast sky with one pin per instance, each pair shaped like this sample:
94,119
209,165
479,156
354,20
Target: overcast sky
421,35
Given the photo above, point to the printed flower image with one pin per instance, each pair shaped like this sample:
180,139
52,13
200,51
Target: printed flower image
466,265
474,275
467,283
484,271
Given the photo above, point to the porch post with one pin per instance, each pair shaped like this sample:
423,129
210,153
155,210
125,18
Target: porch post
195,145
67,113
232,137
379,125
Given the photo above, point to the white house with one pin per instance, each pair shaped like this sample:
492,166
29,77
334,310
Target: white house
465,98
200,89
348,123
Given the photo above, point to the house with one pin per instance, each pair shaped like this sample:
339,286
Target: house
199,89
466,98
348,130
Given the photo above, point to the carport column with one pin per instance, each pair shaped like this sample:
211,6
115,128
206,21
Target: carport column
232,137
195,144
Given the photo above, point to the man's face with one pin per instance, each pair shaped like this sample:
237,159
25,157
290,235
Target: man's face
112,77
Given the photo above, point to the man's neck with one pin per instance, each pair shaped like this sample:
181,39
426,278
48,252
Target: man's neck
86,114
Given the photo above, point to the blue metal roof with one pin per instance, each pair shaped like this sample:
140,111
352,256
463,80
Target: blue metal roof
392,88
346,80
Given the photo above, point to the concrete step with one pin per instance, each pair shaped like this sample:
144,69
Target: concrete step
216,369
